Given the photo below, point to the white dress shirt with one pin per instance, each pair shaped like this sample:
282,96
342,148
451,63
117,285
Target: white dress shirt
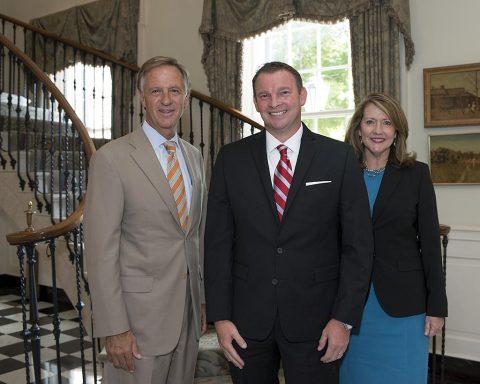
273,154
157,140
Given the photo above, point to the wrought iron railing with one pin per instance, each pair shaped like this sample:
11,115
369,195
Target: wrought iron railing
49,146
98,84
60,147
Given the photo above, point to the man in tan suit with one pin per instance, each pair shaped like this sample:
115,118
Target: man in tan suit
144,239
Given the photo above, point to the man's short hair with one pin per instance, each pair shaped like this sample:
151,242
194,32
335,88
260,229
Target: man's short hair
275,66
158,61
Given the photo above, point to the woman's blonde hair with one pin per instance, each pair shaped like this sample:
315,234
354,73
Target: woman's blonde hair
398,151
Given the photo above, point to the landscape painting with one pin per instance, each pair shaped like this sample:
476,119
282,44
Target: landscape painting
452,95
455,159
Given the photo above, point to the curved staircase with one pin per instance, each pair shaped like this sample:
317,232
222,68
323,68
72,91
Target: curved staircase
44,152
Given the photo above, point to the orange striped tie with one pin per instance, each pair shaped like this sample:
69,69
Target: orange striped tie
175,179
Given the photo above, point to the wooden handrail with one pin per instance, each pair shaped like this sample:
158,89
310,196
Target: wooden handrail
25,237
75,218
43,234
226,108
444,230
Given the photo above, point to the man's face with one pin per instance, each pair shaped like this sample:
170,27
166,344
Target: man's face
279,102
164,99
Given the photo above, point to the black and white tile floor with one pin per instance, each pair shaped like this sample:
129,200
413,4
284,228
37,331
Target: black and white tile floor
12,355
211,365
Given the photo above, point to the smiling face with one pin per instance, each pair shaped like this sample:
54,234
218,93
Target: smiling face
279,102
377,133
164,98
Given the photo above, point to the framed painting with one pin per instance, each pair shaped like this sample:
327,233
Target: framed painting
455,158
452,95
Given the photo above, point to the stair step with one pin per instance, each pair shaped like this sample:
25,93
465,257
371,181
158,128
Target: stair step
211,362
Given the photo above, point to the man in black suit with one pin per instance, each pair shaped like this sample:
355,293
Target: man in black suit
288,243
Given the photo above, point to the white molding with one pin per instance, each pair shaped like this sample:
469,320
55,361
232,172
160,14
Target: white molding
461,346
463,286
464,233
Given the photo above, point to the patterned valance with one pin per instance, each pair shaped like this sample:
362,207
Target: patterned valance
107,25
239,19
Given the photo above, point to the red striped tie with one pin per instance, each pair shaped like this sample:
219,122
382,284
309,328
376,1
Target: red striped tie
282,179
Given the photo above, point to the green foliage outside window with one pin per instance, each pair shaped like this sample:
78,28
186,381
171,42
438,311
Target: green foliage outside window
335,45
339,96
304,49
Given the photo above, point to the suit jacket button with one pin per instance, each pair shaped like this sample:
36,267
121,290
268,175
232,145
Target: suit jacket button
274,281
279,250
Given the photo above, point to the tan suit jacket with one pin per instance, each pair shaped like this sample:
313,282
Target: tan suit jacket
138,256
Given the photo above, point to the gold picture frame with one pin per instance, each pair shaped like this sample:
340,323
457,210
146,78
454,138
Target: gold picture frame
455,158
452,95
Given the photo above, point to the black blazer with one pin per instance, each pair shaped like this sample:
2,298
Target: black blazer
407,272
313,266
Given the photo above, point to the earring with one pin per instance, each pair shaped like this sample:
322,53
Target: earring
361,141
394,142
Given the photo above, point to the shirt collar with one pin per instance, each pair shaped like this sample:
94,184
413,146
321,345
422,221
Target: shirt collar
293,143
155,138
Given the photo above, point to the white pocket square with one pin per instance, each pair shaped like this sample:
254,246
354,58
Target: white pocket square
309,183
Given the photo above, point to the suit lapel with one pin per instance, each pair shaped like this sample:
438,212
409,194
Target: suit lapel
305,157
145,157
259,151
391,179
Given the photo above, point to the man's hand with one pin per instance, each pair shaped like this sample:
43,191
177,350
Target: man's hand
226,333
336,337
433,325
121,350
203,319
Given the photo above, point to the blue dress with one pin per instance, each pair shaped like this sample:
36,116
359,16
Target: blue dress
385,349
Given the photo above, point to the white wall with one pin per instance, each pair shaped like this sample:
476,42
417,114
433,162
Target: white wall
170,28
446,33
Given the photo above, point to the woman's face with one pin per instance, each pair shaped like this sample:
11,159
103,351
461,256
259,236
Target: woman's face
377,133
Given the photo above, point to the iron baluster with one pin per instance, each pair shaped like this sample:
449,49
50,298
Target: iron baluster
11,78
20,134
36,143
442,361
3,161
33,306
202,143
132,96
56,318
212,140
79,306
191,123
23,296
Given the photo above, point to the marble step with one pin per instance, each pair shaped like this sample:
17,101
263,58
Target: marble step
211,362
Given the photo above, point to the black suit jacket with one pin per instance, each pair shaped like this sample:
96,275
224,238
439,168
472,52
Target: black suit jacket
313,266
407,273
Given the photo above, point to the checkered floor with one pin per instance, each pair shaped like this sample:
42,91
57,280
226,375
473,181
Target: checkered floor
211,366
12,356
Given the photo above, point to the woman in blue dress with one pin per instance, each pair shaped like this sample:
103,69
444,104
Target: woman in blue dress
407,301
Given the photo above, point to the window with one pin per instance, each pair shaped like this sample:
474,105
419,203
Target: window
321,53
88,89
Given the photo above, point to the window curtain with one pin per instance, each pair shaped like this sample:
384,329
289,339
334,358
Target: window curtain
106,25
375,27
